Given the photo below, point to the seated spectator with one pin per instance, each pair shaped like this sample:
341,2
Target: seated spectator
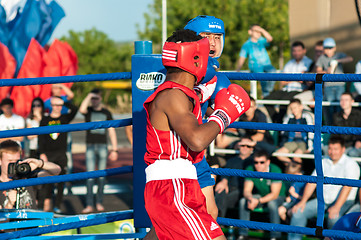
10,153
229,189
349,117
299,63
337,198
232,135
262,137
296,142
331,62
295,191
260,192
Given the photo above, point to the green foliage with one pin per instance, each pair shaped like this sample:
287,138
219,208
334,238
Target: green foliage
98,54
237,15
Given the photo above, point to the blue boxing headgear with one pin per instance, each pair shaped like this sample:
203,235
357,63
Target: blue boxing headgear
207,24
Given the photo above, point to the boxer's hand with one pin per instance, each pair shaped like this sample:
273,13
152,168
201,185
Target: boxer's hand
229,103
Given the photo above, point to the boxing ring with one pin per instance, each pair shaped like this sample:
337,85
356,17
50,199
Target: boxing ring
148,73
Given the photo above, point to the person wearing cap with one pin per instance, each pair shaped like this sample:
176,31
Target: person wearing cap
230,188
331,62
10,120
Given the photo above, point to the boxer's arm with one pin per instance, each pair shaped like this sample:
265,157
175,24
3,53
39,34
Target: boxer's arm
172,109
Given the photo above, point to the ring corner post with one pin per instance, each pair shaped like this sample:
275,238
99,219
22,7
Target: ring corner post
147,73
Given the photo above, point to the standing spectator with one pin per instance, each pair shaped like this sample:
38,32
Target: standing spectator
270,193
65,93
296,142
57,90
262,137
258,60
299,63
10,153
9,120
331,62
228,191
96,146
53,146
33,120
349,117
337,198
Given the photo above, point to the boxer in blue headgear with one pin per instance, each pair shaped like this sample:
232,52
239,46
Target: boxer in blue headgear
213,29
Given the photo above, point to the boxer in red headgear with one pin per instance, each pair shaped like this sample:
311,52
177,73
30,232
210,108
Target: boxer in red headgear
176,138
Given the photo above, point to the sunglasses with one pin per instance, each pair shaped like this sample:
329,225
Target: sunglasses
57,105
36,105
247,146
260,162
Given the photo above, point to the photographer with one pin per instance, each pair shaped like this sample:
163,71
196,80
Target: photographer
13,168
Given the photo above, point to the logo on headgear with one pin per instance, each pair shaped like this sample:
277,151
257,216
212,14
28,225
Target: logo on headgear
150,81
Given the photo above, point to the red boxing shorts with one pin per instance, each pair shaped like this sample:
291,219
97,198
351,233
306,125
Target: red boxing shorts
177,209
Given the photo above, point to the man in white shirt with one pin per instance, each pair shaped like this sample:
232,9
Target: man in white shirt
9,120
338,199
300,63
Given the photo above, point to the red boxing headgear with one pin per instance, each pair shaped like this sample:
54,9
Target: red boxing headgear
191,57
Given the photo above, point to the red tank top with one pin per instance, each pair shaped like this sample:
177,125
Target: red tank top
167,145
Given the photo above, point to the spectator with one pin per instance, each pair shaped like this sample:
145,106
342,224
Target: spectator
331,62
258,60
65,93
10,153
337,198
262,137
296,142
96,146
270,193
318,51
295,191
33,120
228,191
9,120
53,146
299,63
308,93
349,117
57,90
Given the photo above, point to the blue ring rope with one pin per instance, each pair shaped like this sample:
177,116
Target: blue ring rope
103,218
65,178
65,128
293,77
65,79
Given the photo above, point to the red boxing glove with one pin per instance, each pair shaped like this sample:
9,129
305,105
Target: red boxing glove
206,89
229,103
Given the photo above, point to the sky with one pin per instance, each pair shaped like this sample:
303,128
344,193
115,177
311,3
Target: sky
116,18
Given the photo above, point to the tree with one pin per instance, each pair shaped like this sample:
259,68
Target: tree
98,54
237,15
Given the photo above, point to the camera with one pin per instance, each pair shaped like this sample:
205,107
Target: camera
19,170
